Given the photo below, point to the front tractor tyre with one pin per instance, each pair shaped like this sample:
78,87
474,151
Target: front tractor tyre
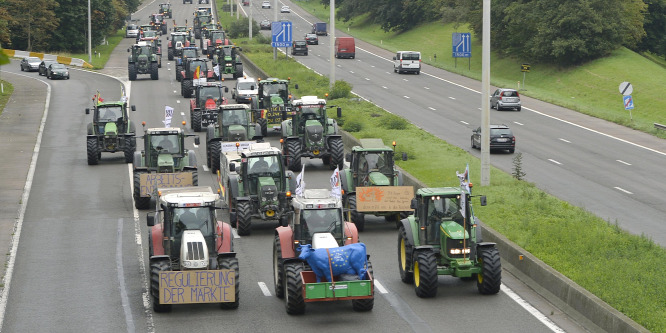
425,274
405,257
170,54
131,70
243,218
93,151
186,88
337,153
139,201
278,268
263,123
357,217
154,75
489,280
130,146
232,264
215,148
196,121
294,302
294,155
155,268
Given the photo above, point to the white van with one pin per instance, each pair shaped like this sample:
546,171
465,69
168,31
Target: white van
407,61
245,89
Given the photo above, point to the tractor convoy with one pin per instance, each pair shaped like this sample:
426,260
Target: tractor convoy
317,253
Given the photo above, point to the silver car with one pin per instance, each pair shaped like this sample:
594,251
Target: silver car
505,99
30,64
131,31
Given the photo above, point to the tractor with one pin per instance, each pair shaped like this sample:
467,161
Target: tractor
204,107
215,38
310,133
317,220
443,237
165,10
190,52
194,73
199,21
110,131
371,165
142,60
206,29
273,102
164,162
233,124
229,61
177,41
156,44
187,242
159,22
258,186
147,31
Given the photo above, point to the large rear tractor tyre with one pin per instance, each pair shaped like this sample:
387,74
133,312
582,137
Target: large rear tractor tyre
186,85
215,148
139,201
155,268
131,70
154,75
130,146
243,218
425,274
170,54
405,257
263,123
294,302
195,178
337,153
278,268
294,153
489,280
231,263
357,217
196,121
93,151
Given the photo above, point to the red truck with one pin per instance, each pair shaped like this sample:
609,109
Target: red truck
345,47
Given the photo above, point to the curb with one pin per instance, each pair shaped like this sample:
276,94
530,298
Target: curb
63,60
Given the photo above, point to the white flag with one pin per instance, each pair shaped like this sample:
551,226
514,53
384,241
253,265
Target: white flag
216,69
336,188
300,183
123,96
168,114
464,184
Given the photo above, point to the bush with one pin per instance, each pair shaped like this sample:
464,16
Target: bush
341,89
394,122
353,125
239,28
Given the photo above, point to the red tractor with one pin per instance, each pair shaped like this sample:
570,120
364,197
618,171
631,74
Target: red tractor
215,38
194,72
204,106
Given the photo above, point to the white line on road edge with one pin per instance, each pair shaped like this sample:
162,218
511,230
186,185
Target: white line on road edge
533,311
452,97
380,287
7,280
264,289
205,168
621,189
431,108
127,309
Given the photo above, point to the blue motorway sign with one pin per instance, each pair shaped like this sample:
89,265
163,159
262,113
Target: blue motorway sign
462,45
281,34
628,102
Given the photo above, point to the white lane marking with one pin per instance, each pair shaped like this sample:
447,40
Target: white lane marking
554,161
380,287
385,87
174,91
452,97
373,66
464,122
182,114
264,289
367,79
205,168
406,97
178,101
431,108
405,80
124,300
623,162
233,231
351,72
621,189
426,88
565,140
532,310
517,123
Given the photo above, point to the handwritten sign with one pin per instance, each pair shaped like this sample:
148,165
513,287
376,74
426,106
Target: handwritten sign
384,198
274,114
151,181
184,287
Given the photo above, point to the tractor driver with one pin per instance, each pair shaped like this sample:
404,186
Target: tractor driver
165,144
259,166
111,113
185,219
321,220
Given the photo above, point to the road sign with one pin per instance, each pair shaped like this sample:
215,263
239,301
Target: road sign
628,102
525,67
626,88
281,34
462,45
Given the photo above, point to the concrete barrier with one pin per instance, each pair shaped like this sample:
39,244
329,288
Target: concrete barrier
63,60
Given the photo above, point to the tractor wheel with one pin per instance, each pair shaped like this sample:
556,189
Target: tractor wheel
489,280
155,268
326,160
243,218
473,145
357,217
230,263
93,151
425,274
154,75
294,155
131,70
170,54
186,86
178,76
263,123
278,268
337,153
215,147
284,220
404,257
139,201
363,305
294,302
195,178
196,121
159,61
130,145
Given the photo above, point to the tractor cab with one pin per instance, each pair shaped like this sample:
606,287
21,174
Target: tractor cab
109,118
317,219
373,162
209,96
165,148
233,123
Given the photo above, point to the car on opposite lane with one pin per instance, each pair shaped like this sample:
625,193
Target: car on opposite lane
265,25
501,138
505,99
312,39
266,5
285,9
57,71
30,64
44,65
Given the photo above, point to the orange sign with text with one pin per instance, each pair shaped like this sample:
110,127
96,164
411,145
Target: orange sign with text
384,198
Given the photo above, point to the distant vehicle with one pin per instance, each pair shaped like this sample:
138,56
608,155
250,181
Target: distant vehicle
265,4
299,46
285,9
131,31
57,71
407,61
204,1
30,64
44,65
265,25
246,2
319,28
312,39
505,99
345,47
501,138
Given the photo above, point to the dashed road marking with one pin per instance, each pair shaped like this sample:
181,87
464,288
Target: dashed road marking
565,140
623,162
264,289
554,161
380,287
432,108
623,190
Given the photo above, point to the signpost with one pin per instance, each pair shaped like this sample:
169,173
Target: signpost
462,46
525,68
281,34
626,89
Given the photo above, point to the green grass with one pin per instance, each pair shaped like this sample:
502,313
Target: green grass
103,51
7,90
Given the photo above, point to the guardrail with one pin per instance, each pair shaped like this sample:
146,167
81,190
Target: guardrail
63,60
659,126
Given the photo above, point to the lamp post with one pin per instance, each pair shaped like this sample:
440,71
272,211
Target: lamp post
89,36
331,77
485,92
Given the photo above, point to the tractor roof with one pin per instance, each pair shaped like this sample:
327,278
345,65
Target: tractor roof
260,149
234,107
111,103
194,196
164,130
272,80
446,191
316,199
309,100
371,145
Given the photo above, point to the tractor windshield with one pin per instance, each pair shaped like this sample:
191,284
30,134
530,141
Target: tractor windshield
190,53
195,64
373,161
276,89
215,35
145,50
179,38
109,113
312,111
321,220
264,166
440,209
193,218
149,34
234,117
165,143
210,92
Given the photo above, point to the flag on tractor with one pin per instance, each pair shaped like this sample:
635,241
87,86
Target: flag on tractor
197,73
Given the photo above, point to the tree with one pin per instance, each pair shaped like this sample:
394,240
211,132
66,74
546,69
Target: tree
655,26
31,23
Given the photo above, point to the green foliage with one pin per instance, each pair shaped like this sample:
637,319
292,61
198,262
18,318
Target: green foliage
518,172
240,28
655,25
394,122
341,89
353,126
7,90
31,23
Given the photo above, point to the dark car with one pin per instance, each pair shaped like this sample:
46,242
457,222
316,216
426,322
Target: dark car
30,64
265,25
505,99
57,71
501,138
299,46
312,39
44,65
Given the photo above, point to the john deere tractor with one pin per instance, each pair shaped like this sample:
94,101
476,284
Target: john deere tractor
165,10
164,162
371,165
310,133
273,102
199,22
142,60
192,258
260,187
443,238
229,61
233,124
110,131
204,107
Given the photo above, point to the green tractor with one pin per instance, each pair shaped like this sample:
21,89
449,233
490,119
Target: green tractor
110,131
165,10
199,21
229,61
371,165
310,133
142,60
232,124
256,185
443,238
273,102
164,162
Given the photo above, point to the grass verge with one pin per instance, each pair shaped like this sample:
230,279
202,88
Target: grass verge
103,51
5,93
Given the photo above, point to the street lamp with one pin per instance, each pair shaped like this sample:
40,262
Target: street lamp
89,36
